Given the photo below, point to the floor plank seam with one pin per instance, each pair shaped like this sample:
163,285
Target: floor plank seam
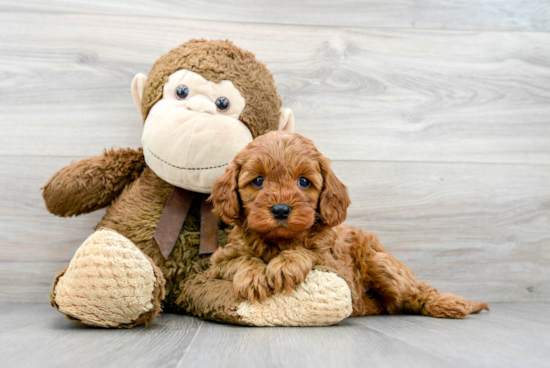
428,352
441,30
523,164
190,344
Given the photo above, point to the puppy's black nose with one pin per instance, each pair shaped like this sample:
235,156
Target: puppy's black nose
281,211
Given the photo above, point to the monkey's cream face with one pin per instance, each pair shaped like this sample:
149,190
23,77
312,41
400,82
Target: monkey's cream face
192,134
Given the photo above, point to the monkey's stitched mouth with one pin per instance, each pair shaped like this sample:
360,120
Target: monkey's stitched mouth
186,168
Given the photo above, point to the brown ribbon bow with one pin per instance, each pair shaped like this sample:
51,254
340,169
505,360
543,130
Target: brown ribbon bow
172,219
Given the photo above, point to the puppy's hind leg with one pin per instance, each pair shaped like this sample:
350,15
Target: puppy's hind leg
401,292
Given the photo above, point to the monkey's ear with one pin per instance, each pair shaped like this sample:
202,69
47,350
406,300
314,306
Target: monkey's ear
286,121
138,86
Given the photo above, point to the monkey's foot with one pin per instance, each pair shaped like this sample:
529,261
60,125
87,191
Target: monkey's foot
109,283
322,299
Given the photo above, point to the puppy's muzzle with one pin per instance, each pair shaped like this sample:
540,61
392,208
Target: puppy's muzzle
281,211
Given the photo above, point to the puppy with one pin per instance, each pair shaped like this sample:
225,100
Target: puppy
287,207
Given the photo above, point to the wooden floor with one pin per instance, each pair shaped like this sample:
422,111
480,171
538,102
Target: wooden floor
510,335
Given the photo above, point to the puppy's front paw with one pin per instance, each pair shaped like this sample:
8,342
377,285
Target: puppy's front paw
251,284
285,272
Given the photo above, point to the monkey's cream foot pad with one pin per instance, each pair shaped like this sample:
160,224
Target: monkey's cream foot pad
108,283
322,299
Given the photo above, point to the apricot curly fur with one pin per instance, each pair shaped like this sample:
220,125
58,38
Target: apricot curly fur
265,255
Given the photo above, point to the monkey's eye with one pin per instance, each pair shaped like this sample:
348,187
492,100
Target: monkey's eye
258,182
222,103
304,183
182,92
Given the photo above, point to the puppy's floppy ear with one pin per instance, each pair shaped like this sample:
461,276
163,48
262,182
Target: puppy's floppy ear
225,195
334,200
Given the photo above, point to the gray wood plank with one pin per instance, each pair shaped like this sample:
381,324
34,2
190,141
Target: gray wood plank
343,345
497,338
525,15
474,229
361,94
27,230
502,337
512,334
28,281
391,97
37,335
537,314
471,229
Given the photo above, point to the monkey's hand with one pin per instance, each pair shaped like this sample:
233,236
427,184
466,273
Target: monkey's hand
91,184
288,270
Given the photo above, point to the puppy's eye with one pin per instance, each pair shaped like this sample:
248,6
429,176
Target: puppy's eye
304,183
258,182
222,103
182,92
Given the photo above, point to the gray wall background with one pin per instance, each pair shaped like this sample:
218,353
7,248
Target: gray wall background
436,115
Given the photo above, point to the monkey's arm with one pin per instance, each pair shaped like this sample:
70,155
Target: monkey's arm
323,299
91,184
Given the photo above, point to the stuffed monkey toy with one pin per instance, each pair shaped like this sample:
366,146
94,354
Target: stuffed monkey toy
201,104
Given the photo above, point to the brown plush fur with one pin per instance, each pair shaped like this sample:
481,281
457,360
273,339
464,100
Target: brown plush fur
136,196
92,184
218,61
265,255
